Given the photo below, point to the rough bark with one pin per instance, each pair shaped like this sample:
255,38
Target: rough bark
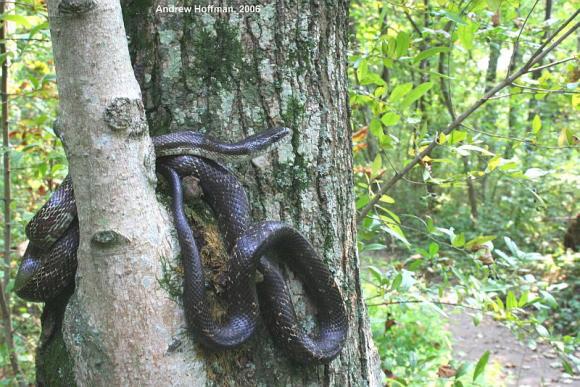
119,323
232,75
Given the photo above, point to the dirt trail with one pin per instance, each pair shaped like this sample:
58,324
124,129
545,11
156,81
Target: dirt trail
520,366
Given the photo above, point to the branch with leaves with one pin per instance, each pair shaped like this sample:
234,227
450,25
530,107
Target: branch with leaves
544,49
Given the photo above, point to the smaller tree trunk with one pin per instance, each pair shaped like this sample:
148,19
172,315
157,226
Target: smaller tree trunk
119,323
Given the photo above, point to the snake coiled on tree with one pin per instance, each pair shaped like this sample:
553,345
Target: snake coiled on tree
49,263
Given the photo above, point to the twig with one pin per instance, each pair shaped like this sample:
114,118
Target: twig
548,65
551,37
519,139
560,91
538,89
28,39
415,27
425,302
536,57
517,42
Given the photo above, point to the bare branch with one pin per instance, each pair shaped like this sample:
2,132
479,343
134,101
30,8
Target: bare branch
560,91
425,302
534,69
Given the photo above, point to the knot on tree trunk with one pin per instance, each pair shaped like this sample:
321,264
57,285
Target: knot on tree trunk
125,114
76,6
108,238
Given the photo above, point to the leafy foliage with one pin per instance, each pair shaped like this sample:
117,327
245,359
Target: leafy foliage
479,221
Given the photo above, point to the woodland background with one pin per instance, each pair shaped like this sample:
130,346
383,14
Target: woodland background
477,225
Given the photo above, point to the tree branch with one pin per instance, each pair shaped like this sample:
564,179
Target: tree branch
536,57
548,65
425,302
559,91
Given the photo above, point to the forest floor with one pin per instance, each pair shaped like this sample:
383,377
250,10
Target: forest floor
511,362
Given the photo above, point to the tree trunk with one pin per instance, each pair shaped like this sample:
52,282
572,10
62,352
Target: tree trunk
230,74
489,121
535,106
119,322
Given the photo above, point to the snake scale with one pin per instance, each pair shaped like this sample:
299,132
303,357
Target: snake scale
49,263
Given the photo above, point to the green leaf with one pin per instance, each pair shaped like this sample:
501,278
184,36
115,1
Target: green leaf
461,370
407,280
376,273
390,213
480,366
18,19
37,28
493,163
415,265
387,199
362,201
362,70
465,149
499,303
394,230
457,136
402,44
376,166
466,34
523,299
429,226
399,91
376,128
511,301
390,47
429,53
549,299
397,282
371,78
536,124
374,247
433,248
479,240
566,137
458,240
416,93
507,165
534,173
542,331
390,118
454,17
567,367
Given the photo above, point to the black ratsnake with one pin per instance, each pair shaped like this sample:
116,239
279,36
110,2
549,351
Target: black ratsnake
49,263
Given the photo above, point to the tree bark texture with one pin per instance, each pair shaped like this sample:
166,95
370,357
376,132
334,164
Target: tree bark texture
231,75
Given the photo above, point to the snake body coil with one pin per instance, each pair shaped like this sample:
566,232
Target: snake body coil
49,264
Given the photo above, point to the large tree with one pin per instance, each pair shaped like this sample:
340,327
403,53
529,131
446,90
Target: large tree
230,74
